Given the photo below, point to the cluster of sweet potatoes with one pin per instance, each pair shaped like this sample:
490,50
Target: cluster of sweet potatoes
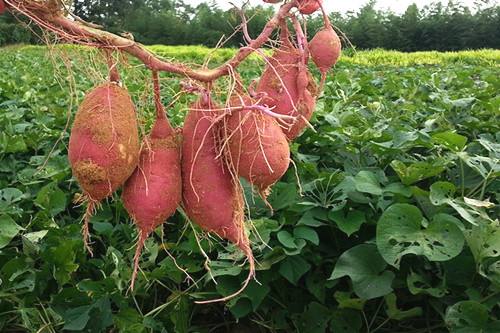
198,168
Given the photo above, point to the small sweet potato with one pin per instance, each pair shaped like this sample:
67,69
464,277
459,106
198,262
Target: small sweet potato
325,49
309,6
153,192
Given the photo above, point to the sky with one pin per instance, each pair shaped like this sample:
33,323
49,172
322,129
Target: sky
343,6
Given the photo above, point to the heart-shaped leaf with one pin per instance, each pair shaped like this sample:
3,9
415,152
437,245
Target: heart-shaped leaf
366,268
400,232
349,223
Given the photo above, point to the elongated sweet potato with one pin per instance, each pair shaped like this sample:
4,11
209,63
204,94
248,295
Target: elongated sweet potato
279,79
104,144
153,192
212,198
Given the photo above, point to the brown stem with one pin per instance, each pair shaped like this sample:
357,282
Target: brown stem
53,20
326,19
301,39
114,75
160,110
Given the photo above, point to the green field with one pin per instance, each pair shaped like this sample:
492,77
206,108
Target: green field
394,228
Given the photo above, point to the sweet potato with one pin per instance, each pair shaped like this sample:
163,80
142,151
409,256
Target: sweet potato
305,107
212,197
258,148
153,192
325,48
279,79
104,144
2,7
308,6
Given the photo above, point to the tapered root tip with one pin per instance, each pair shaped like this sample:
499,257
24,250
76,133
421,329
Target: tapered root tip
140,245
250,276
264,194
89,212
322,83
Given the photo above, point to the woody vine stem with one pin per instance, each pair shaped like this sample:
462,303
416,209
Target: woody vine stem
52,15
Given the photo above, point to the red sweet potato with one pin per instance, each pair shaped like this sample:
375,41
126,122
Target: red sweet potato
153,192
306,103
308,6
2,7
212,197
325,49
258,148
104,144
279,79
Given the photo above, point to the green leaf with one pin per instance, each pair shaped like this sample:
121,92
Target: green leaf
346,321
366,268
128,320
76,319
460,271
287,239
442,193
418,284
484,241
394,313
51,198
18,276
450,140
315,284
307,234
62,258
8,230
314,319
32,239
415,172
272,257
400,231
309,219
347,302
293,268
367,182
348,224
181,314
220,268
470,316
241,307
398,188
283,195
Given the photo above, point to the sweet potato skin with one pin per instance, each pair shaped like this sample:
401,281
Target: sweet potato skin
308,6
258,148
211,197
153,192
279,83
104,142
325,49
305,108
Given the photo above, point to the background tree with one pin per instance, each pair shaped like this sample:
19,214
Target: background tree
433,27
